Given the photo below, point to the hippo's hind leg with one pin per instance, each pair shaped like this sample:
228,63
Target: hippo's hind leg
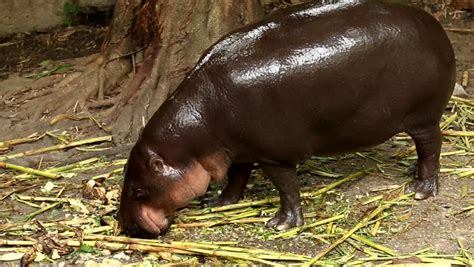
428,147
237,178
284,178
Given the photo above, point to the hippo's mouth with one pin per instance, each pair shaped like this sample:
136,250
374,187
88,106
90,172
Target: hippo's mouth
153,221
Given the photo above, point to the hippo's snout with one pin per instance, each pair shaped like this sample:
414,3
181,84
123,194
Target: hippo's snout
143,222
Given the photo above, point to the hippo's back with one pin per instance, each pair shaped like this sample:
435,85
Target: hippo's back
327,79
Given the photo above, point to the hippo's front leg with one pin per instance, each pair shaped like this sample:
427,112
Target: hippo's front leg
237,178
284,178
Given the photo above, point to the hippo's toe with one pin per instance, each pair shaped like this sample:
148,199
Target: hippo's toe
284,220
424,188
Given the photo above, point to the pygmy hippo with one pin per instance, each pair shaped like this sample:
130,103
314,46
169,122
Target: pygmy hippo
311,79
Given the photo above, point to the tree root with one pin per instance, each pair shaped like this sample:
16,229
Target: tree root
75,90
36,91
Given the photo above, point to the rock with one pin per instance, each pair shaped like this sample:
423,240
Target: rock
41,15
26,15
459,91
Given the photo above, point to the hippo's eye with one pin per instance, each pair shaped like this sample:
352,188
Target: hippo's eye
140,194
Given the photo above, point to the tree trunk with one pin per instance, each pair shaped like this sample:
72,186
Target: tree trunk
150,47
175,34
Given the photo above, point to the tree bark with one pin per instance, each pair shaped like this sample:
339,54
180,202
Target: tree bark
174,41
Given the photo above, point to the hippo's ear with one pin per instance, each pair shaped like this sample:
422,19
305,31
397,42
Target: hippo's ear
160,167
157,165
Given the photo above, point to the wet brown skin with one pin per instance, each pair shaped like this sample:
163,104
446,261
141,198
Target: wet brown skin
308,80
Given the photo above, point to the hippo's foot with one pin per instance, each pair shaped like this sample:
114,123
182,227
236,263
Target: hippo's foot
221,201
284,220
284,178
424,188
428,146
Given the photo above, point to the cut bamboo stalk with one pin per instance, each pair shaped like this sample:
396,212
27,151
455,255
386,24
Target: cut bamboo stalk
5,165
107,138
359,225
5,145
458,133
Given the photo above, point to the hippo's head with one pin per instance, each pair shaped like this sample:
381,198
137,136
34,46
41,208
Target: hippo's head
154,189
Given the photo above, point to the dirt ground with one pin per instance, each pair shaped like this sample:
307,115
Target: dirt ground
437,224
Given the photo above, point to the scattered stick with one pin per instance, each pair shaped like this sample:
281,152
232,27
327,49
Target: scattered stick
296,230
63,116
460,30
107,138
17,190
349,233
462,100
27,170
35,213
369,243
458,133
64,168
29,225
6,145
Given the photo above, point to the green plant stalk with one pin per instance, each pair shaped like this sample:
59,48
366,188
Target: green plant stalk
60,138
5,242
367,157
462,100
455,170
207,245
236,212
335,184
443,125
431,258
265,254
64,168
207,216
29,225
218,222
458,133
5,165
444,261
359,225
449,153
131,246
4,145
195,248
372,244
372,199
44,199
34,214
94,230
467,173
244,215
237,255
467,208
28,203
107,138
304,227
108,175
325,174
